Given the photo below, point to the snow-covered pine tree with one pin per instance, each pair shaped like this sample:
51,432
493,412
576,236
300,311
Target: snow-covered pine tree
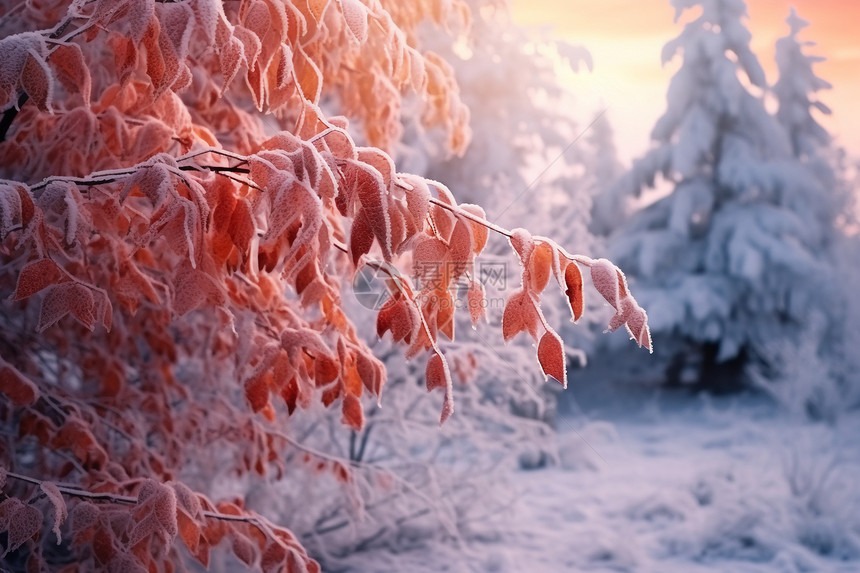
796,88
814,374
730,258
605,169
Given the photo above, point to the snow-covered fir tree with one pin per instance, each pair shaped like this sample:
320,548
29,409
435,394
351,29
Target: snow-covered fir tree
730,258
604,169
796,90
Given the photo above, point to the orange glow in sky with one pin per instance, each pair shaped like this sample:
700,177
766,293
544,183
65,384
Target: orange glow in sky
625,38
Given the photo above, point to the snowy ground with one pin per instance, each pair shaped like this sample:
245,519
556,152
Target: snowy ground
676,484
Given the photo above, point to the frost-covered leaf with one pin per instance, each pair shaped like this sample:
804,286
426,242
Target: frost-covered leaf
355,14
459,249
573,290
637,325
551,357
72,71
522,242
417,199
370,190
24,522
65,298
353,414
476,301
540,267
436,375
38,275
36,81
155,513
360,238
61,512
519,315
605,277
400,317
480,232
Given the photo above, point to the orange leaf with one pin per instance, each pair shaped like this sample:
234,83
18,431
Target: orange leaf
398,316
573,282
188,531
480,233
551,357
519,315
436,375
353,415
540,266
476,300
460,245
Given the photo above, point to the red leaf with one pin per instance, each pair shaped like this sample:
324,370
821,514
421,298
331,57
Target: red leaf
244,549
417,199
65,298
68,61
326,370
476,300
331,394
436,373
24,523
16,386
444,301
480,233
242,225
368,186
189,531
353,415
273,558
551,357
360,238
290,394
573,282
460,248
37,276
519,315
540,266
398,316
257,392
36,81
428,257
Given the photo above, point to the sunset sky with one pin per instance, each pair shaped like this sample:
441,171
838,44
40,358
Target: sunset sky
625,38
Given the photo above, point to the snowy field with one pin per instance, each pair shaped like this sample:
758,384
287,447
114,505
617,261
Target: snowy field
675,484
